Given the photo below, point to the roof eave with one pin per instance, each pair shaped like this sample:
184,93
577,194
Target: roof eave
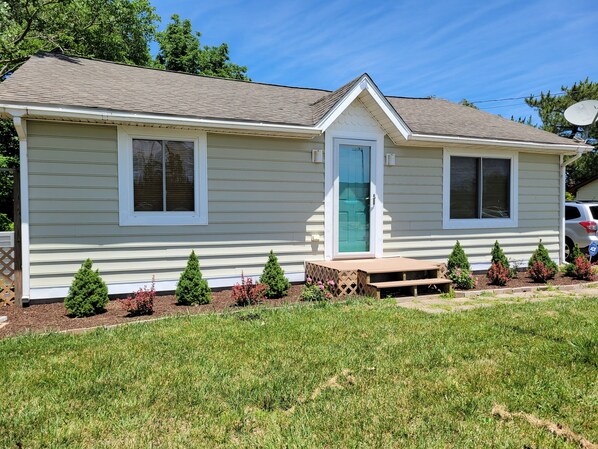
532,146
110,117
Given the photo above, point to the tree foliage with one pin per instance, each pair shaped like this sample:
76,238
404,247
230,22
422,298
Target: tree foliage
115,30
180,50
550,108
469,104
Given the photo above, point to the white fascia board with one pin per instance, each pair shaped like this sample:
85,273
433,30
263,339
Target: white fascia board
365,83
155,119
544,147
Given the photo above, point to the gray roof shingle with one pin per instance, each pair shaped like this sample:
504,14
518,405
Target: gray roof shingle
58,80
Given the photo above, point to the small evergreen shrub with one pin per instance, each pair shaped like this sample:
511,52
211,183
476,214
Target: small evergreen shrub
317,291
142,301
541,255
500,271
575,254
583,269
515,265
498,274
498,256
458,259
540,272
192,288
88,294
247,293
277,285
463,279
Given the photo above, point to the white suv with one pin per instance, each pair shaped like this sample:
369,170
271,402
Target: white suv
581,224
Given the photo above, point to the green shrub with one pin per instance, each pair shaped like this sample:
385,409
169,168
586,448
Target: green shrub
5,223
277,285
192,288
317,291
541,255
498,256
575,254
88,294
458,259
463,279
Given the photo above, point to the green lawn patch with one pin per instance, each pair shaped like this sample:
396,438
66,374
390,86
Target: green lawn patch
363,373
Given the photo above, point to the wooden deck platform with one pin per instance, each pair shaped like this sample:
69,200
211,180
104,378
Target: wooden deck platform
374,277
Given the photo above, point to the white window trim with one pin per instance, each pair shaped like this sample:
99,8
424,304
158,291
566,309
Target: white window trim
127,214
470,223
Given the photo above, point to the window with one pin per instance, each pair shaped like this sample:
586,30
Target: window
479,190
162,177
571,213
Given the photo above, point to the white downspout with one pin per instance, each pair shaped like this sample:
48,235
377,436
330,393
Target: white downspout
21,128
564,163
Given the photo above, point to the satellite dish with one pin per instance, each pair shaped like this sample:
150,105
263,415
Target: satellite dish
583,113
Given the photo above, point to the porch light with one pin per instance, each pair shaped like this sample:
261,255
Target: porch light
390,159
317,156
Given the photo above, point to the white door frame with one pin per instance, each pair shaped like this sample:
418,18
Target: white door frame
376,141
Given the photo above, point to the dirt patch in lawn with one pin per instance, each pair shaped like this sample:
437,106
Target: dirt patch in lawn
523,280
53,317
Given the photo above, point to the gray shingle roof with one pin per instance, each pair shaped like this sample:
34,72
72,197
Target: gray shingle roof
48,79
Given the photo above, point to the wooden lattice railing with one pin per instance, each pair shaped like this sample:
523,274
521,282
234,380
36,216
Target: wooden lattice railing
7,275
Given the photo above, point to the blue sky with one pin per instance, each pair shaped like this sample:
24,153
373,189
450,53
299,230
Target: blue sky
477,50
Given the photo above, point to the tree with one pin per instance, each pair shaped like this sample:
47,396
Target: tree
551,107
116,30
469,104
180,50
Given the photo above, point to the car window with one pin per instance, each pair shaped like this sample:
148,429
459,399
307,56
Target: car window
572,212
594,211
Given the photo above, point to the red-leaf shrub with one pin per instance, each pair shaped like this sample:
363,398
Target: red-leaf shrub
498,274
540,272
142,302
247,293
583,269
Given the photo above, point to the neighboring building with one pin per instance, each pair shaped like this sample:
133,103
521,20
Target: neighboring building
134,167
586,190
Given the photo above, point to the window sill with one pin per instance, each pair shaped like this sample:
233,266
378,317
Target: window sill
162,219
482,223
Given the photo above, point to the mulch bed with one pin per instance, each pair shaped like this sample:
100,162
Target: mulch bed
523,280
53,317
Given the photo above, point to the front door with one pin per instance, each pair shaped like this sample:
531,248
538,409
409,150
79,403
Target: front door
354,198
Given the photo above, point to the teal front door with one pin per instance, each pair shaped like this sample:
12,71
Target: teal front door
354,185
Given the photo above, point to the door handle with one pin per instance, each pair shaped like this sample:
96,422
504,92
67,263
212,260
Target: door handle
373,199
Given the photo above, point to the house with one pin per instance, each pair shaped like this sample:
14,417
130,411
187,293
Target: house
134,167
586,190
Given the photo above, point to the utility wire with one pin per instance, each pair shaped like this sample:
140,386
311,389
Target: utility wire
513,98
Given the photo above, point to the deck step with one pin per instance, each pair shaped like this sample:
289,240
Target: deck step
405,269
410,283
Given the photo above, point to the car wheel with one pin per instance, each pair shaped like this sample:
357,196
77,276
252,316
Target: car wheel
568,249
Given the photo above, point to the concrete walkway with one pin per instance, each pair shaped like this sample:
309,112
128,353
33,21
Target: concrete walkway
440,304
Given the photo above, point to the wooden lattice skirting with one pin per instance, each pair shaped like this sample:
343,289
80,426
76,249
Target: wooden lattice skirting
345,281
7,275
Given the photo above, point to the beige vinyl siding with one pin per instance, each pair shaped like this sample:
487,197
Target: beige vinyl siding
589,192
264,193
413,209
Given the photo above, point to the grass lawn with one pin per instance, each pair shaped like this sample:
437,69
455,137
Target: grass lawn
360,374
